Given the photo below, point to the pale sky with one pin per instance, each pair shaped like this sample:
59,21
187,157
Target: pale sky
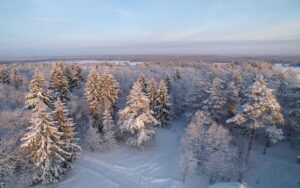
40,28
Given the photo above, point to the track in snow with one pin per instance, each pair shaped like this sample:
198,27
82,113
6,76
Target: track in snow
156,166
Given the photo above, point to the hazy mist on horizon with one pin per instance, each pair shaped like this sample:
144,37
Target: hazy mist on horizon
34,28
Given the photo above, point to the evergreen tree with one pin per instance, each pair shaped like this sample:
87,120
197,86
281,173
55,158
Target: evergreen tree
69,75
168,83
259,110
193,144
162,109
177,100
16,78
289,97
66,126
37,92
7,160
59,83
220,154
93,94
108,129
109,91
143,83
207,145
45,147
177,75
188,160
152,93
216,101
200,93
232,93
136,119
77,78
4,76
274,135
93,139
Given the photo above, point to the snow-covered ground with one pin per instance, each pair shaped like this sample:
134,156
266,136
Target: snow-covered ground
157,166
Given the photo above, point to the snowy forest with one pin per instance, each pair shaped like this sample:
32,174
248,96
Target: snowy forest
224,122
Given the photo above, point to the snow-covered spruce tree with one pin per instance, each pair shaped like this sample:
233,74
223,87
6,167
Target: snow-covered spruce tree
93,139
7,161
238,133
77,78
93,94
162,108
219,162
193,144
109,90
44,145
289,97
216,101
59,83
66,126
16,78
141,79
274,135
38,92
152,93
4,76
259,110
177,100
136,120
168,83
232,95
73,75
207,145
177,75
69,75
108,129
188,160
199,93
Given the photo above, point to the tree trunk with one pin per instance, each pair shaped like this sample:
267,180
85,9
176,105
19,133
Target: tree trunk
251,138
184,175
267,144
212,178
240,177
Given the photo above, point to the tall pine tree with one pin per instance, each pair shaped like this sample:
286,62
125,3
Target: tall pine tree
77,78
216,101
69,74
59,83
109,129
4,76
109,90
66,126
259,109
142,80
136,120
152,93
162,109
38,92
207,145
16,78
289,98
168,83
44,145
93,94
